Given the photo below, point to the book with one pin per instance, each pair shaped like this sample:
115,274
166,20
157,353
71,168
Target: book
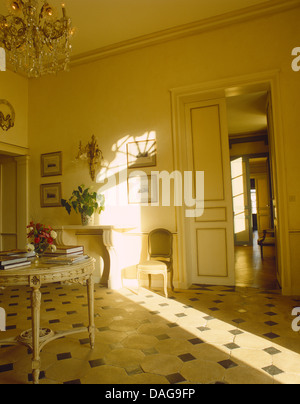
9,259
68,249
66,259
54,254
17,265
18,252
27,254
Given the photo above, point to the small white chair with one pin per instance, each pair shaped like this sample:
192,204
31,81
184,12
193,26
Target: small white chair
160,250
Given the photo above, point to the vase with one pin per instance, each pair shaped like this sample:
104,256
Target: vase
87,220
39,250
37,259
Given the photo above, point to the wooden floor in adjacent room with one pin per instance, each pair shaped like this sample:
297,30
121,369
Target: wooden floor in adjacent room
253,271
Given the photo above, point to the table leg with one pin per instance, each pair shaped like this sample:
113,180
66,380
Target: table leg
110,238
35,310
90,292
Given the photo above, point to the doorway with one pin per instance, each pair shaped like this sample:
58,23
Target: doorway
8,206
210,235
251,189
13,201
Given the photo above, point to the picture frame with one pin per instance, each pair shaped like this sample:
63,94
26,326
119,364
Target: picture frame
50,195
141,154
51,164
140,188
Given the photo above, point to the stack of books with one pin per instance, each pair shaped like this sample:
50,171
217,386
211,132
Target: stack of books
66,254
13,259
68,250
19,253
66,259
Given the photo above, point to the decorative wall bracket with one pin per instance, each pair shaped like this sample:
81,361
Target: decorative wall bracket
7,121
92,154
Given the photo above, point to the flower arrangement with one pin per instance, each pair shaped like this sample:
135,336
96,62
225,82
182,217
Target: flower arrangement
40,237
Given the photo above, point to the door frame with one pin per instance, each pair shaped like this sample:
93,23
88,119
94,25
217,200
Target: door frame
269,81
254,156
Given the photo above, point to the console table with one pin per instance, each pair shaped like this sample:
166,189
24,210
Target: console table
40,274
112,240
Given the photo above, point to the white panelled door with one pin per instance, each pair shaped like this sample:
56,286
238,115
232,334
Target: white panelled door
209,239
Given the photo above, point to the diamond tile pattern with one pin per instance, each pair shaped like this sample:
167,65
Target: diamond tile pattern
143,338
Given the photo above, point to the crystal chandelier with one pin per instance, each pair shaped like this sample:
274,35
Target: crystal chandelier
36,41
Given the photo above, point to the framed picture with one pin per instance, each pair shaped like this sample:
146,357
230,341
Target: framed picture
50,195
51,164
140,188
141,154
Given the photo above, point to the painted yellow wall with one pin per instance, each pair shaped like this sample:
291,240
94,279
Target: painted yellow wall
126,97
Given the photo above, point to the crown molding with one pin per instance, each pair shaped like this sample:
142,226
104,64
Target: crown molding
194,28
12,149
181,31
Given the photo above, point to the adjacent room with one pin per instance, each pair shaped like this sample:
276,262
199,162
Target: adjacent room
252,190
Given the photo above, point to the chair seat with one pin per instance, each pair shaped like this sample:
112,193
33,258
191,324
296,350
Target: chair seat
153,266
269,241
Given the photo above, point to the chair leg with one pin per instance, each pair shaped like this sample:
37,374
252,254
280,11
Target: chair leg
261,252
139,279
171,280
165,275
149,277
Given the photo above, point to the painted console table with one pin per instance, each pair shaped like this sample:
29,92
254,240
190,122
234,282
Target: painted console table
40,274
112,240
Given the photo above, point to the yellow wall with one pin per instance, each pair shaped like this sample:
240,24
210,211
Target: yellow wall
127,96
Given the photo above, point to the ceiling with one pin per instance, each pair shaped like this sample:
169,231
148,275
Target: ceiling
104,23
101,23
247,113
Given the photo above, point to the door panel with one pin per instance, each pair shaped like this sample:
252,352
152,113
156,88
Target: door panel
207,149
212,252
209,246
263,203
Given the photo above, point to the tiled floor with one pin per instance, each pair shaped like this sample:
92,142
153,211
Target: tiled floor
208,334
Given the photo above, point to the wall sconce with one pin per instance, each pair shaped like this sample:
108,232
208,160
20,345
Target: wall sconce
7,121
92,154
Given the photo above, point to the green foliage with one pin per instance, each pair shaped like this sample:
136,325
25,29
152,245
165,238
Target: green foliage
84,202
